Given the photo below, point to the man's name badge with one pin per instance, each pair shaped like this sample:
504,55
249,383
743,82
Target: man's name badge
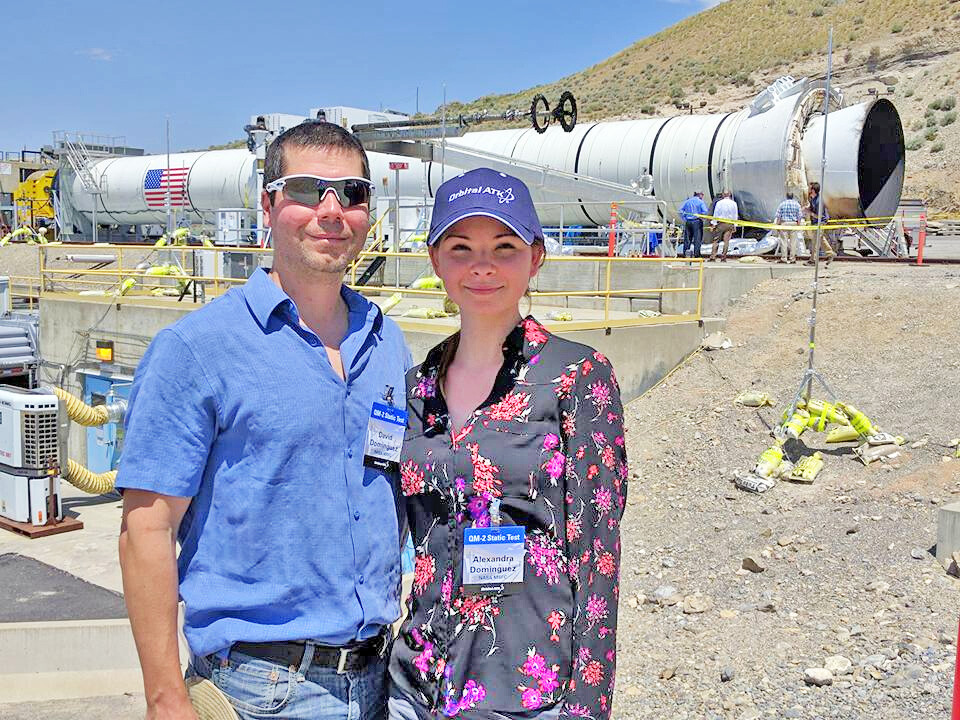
384,437
493,559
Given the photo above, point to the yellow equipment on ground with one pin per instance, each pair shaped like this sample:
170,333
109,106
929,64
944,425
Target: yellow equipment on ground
33,198
807,469
769,462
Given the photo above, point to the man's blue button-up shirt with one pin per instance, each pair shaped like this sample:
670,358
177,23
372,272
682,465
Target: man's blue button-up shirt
288,536
692,207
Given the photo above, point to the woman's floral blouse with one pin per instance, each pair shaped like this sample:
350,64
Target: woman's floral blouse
545,451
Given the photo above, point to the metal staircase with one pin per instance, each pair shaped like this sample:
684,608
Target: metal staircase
887,241
79,158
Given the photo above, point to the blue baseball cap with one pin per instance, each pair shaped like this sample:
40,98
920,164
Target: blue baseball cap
489,193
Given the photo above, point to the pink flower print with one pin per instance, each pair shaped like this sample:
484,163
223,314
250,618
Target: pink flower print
578,711
583,655
534,664
592,472
574,529
544,557
426,387
446,587
531,699
533,333
423,570
478,511
566,382
619,442
460,483
599,438
600,394
422,661
592,674
608,458
548,682
586,367
535,359
551,441
601,358
596,608
554,466
513,407
569,425
411,478
473,693
603,499
485,478
555,620
606,565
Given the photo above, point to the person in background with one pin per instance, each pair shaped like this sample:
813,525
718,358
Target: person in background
514,470
727,214
248,440
693,225
813,208
789,213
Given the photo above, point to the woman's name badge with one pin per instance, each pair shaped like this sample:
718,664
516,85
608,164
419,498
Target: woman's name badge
384,437
493,559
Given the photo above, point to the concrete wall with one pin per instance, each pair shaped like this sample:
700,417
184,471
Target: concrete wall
71,326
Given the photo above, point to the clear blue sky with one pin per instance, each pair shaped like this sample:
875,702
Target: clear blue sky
120,68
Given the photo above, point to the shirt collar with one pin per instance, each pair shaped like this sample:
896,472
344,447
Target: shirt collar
263,297
522,346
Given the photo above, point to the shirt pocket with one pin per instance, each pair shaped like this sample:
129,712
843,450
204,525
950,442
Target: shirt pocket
514,459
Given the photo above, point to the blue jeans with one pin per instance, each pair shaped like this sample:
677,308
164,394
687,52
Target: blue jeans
692,231
261,689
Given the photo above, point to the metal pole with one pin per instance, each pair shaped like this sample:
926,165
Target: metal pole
167,200
819,235
443,136
396,220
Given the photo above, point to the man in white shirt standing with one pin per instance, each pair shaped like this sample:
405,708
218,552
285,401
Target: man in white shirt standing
727,214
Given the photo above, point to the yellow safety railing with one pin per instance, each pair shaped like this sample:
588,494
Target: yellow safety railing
122,281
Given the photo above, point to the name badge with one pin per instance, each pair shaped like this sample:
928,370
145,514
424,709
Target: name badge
384,437
493,559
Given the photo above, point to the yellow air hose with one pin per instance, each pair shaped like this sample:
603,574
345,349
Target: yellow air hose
89,481
80,412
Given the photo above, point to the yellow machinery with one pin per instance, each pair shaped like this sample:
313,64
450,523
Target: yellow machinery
33,199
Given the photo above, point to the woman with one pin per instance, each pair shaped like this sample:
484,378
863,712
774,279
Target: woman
514,472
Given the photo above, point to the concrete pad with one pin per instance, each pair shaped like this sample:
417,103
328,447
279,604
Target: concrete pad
61,685
38,592
948,533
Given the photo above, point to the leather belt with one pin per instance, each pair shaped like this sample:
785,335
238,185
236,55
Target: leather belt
344,659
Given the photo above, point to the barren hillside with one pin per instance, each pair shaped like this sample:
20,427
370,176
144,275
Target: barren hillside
720,58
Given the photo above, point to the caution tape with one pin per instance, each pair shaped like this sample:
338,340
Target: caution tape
828,225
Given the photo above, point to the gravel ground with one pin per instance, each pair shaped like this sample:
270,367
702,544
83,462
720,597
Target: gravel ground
847,570
846,564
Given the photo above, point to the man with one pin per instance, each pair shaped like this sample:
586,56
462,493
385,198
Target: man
246,441
817,216
693,225
727,214
789,213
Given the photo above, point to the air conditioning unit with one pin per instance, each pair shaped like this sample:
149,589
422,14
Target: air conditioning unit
30,454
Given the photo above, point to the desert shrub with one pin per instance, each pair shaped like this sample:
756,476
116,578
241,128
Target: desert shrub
817,12
935,105
908,92
931,121
914,143
949,118
897,28
936,147
916,125
948,103
931,134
